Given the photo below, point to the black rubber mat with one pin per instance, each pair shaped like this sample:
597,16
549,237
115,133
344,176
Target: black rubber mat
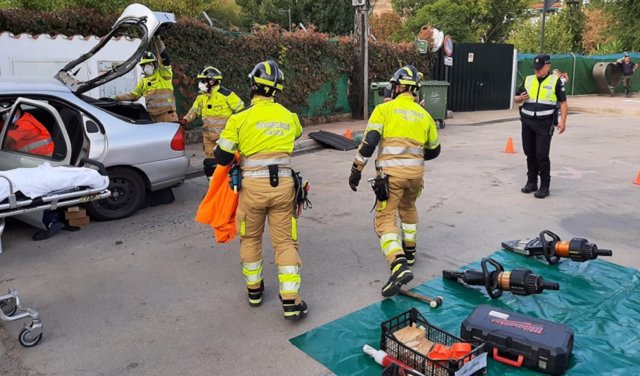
333,140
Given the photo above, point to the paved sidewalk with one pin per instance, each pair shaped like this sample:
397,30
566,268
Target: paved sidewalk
593,104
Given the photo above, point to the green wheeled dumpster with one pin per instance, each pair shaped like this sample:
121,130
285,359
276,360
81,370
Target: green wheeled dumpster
433,97
377,91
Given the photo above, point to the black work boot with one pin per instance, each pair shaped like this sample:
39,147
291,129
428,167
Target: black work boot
400,275
542,192
293,311
255,295
409,254
529,187
544,188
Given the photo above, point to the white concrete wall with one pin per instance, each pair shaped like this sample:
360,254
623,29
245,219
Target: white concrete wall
43,56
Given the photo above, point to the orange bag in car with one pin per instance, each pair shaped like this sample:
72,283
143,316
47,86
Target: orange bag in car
218,207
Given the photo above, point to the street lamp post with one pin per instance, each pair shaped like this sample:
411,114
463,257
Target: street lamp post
547,4
362,11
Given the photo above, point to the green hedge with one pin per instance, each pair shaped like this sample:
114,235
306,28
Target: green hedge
316,68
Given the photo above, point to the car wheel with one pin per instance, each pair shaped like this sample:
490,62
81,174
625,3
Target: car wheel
127,194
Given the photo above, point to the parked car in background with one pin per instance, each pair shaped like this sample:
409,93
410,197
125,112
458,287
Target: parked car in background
140,156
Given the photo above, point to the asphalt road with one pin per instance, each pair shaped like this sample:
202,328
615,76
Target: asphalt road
153,295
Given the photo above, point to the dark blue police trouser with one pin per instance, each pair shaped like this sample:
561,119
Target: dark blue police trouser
536,143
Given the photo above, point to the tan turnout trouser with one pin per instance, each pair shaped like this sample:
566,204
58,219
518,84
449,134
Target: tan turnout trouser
259,201
402,200
165,117
210,137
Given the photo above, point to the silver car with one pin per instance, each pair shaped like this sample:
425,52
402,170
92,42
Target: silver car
140,156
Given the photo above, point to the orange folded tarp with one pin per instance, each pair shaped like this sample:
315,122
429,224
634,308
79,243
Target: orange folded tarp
218,207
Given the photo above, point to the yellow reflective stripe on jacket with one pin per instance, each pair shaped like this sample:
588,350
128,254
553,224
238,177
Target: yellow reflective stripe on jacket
264,127
409,232
397,150
400,162
252,272
390,243
35,145
265,162
290,279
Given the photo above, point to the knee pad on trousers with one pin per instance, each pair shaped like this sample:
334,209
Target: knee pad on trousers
209,165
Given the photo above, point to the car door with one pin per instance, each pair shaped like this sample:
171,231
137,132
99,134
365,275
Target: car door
33,134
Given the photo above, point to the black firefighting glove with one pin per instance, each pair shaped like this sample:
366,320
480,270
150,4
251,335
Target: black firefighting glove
354,178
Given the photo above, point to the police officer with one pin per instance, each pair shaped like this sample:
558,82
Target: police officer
214,105
541,94
264,135
407,136
155,85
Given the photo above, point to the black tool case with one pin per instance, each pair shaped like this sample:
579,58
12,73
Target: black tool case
520,340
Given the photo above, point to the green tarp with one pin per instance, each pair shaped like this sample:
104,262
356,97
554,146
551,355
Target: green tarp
599,300
579,68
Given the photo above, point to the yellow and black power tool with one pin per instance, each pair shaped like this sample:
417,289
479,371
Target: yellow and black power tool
518,281
550,246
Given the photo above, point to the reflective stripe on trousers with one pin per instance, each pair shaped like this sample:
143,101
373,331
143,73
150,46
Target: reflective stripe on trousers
390,243
409,232
289,277
264,162
252,272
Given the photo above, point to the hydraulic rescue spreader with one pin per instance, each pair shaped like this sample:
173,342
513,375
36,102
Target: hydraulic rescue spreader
518,281
550,246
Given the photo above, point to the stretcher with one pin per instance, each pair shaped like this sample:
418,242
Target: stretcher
13,201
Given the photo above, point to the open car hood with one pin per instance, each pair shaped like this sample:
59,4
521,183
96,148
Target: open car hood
137,15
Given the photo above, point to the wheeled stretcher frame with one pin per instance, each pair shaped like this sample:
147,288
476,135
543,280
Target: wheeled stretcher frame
10,307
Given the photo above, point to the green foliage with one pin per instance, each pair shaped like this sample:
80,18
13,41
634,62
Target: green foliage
626,28
226,11
471,21
575,19
408,8
328,16
557,36
612,47
309,60
447,16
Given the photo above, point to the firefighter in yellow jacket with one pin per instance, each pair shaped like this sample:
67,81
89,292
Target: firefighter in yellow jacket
264,135
406,136
156,86
214,105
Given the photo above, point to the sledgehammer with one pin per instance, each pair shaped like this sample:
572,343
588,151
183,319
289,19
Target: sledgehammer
433,303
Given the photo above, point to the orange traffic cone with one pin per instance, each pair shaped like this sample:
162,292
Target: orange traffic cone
347,134
509,147
637,181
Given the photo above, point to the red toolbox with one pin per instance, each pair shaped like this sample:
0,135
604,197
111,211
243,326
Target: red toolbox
520,340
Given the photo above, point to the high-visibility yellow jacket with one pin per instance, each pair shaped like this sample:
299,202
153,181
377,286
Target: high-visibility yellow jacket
542,102
157,91
215,107
406,130
264,134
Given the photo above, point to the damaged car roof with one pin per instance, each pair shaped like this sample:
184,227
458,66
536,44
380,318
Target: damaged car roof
136,15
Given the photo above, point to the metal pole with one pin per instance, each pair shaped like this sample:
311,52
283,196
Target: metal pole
289,10
365,64
544,17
